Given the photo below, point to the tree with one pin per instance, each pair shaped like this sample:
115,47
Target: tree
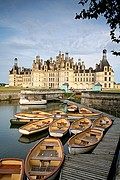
110,9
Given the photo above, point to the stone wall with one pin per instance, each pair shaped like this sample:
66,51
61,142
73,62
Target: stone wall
7,96
109,102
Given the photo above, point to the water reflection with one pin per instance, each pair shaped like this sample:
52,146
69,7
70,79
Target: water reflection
32,107
33,137
15,126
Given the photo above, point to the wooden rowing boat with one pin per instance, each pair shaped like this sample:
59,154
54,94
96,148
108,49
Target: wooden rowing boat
102,123
58,114
78,115
80,125
83,110
84,141
19,121
33,115
11,169
36,126
83,113
44,160
72,108
59,127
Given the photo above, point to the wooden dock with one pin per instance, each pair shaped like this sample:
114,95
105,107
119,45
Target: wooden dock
98,165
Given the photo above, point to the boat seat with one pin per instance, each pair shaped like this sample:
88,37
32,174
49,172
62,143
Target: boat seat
47,155
46,158
10,169
36,173
49,144
58,131
80,125
94,133
41,170
84,140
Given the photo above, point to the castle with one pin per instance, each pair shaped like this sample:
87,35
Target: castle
54,73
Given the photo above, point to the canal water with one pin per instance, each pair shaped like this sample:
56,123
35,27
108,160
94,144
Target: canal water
12,143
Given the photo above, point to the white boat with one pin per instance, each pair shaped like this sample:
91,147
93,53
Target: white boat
85,141
37,126
34,115
80,125
72,108
59,127
102,123
58,114
24,101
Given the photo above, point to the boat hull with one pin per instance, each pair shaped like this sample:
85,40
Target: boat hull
58,134
75,131
78,150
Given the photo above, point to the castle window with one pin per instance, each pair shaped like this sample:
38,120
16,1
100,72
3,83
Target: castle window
109,78
105,73
105,85
109,85
105,78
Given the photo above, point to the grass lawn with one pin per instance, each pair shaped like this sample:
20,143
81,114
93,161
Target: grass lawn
8,89
112,91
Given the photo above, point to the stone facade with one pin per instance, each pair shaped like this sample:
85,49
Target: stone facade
54,73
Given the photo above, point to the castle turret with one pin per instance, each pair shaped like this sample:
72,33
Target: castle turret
15,63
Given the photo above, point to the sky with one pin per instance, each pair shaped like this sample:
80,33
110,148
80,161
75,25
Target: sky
44,27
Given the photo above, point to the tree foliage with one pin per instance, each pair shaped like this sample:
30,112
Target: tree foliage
110,9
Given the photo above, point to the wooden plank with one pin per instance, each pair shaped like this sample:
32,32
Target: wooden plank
42,173
46,158
49,144
10,169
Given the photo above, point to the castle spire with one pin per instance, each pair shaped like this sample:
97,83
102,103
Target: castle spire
104,55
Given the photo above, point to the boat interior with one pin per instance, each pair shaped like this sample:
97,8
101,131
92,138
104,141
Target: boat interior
47,160
87,138
9,170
